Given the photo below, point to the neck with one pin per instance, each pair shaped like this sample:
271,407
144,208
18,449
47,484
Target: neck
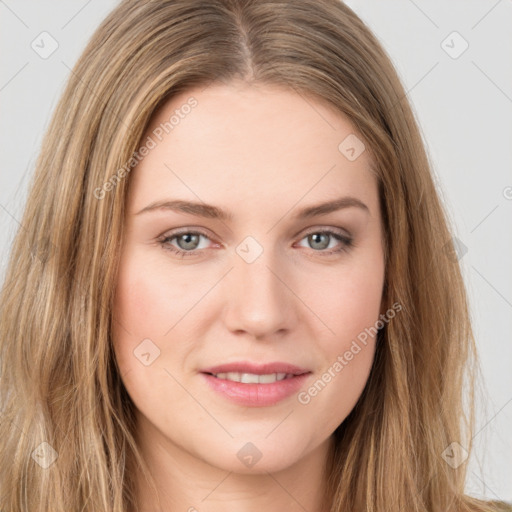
187,483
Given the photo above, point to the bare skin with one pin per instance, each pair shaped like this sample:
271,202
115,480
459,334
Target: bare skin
262,154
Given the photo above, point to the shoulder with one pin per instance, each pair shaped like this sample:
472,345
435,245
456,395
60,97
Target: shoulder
499,506
502,506
471,504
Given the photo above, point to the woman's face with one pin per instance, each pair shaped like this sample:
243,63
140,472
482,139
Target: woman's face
252,252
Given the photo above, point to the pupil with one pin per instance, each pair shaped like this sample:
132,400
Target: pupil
317,242
188,241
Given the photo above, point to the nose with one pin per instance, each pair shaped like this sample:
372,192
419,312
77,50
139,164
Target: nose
260,300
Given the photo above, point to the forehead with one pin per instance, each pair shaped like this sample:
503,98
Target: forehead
235,142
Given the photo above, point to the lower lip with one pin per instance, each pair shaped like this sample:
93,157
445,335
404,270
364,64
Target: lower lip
256,395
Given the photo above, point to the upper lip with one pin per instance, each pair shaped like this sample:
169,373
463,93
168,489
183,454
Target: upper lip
255,368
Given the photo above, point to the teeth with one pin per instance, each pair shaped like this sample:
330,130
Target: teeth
268,379
252,378
249,378
233,376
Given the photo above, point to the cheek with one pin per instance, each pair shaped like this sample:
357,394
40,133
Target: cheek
142,316
152,303
140,310
354,315
350,302
149,299
351,310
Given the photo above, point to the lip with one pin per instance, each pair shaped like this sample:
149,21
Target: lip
257,369
256,395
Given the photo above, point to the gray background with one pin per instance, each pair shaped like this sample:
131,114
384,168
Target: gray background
464,106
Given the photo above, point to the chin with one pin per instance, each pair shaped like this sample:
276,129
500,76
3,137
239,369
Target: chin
257,456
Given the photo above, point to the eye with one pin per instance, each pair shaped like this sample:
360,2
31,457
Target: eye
191,243
332,240
188,241
185,243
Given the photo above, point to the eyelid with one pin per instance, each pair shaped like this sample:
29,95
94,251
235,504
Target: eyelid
345,239
343,236
164,241
181,231
327,229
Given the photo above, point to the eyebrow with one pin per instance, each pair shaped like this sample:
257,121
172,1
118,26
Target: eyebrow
213,212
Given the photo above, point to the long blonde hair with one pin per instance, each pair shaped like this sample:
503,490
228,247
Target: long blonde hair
67,439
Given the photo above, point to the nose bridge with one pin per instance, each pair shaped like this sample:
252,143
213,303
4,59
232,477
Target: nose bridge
258,300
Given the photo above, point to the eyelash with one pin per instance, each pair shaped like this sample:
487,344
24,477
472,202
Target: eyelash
346,242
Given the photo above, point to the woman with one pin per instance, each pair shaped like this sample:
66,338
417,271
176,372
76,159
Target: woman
235,280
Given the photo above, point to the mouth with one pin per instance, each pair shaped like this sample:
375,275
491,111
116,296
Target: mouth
253,378
255,385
